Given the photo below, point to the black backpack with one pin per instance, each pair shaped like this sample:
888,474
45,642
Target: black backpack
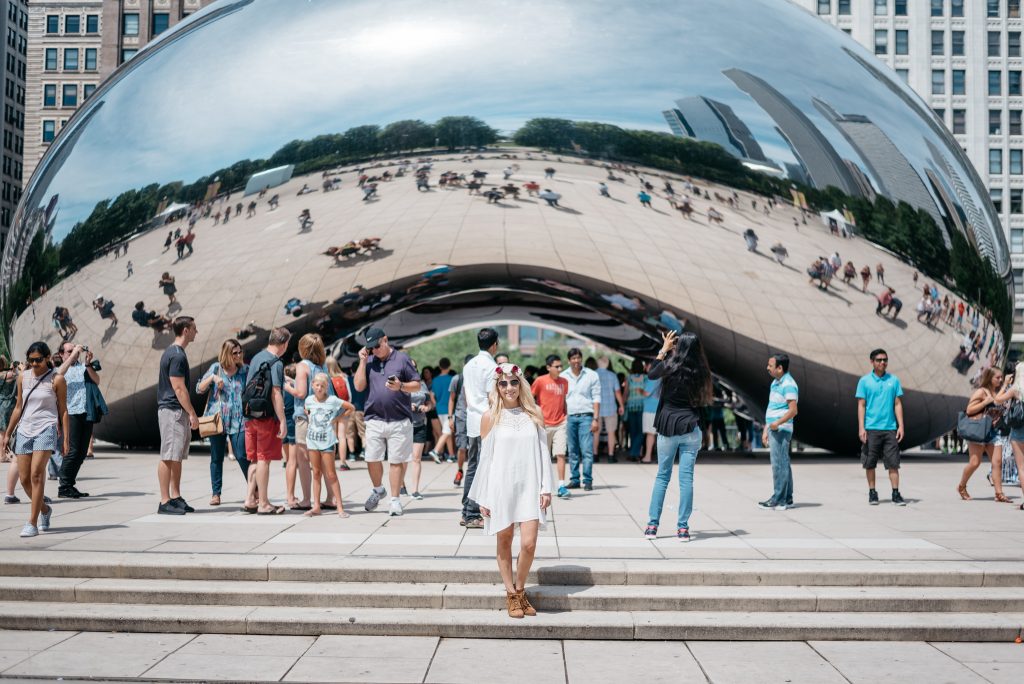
257,396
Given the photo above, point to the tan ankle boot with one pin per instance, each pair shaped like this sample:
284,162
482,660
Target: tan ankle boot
525,604
515,610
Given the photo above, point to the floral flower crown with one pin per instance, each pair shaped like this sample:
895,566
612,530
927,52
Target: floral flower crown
507,369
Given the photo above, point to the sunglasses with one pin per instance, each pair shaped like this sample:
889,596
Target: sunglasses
35,359
237,352
881,360
505,383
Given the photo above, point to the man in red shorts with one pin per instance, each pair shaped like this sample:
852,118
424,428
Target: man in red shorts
265,424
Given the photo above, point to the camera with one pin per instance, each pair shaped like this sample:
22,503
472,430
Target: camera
84,348
95,365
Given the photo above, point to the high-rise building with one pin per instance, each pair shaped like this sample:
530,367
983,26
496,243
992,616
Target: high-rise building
705,119
964,58
73,46
14,25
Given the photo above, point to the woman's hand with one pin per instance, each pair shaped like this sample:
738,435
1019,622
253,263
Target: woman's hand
486,512
668,340
545,502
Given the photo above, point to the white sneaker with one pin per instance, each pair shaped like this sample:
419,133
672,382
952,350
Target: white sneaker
44,524
29,530
396,508
782,507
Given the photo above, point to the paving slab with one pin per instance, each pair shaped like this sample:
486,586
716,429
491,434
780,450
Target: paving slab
206,666
498,661
728,662
861,664
651,662
248,644
358,669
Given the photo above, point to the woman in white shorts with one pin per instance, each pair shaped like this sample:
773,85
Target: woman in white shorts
41,406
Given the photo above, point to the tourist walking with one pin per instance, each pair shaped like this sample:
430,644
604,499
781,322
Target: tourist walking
77,375
880,424
389,376
224,380
994,390
478,379
265,422
322,411
686,387
175,416
441,388
1016,437
40,413
783,396
170,289
635,408
513,482
583,404
612,407
549,392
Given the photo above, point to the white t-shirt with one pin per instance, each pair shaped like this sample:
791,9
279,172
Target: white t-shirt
321,435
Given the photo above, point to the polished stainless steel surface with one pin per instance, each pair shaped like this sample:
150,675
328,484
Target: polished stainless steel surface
723,103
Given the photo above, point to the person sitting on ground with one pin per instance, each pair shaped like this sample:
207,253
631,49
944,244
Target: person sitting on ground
149,319
510,190
369,244
494,196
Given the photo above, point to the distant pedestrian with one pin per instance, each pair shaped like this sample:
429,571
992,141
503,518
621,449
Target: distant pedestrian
880,424
645,198
167,285
602,188
131,270
551,197
778,431
549,172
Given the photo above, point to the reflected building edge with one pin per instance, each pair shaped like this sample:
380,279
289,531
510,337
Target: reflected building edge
352,105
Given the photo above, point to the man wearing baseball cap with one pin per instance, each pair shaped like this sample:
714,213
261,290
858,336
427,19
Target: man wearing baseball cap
389,377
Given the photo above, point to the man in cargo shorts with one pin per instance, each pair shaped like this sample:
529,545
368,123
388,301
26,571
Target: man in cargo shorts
880,424
265,434
549,391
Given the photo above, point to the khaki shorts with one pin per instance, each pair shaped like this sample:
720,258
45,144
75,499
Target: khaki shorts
648,423
392,440
175,434
611,424
446,425
355,425
557,444
301,429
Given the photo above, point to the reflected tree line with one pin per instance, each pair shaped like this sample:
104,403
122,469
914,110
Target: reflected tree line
909,232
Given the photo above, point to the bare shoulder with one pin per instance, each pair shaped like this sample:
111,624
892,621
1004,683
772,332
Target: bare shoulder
486,421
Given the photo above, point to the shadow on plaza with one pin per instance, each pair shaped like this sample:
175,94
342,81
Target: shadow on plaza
63,529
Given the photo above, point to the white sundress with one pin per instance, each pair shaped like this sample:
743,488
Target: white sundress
514,470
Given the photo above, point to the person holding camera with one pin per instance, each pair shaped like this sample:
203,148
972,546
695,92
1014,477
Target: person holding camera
391,378
77,364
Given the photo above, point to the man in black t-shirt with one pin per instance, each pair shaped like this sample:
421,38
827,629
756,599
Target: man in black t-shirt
175,416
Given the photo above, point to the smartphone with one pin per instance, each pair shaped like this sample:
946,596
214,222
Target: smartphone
392,378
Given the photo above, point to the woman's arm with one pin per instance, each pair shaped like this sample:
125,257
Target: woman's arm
301,374
978,402
12,424
60,389
485,425
204,383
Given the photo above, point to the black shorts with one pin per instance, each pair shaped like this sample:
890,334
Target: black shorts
420,433
882,445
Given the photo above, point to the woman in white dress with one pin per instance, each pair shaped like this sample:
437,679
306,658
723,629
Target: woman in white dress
513,479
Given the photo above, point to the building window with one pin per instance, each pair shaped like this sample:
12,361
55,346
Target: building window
995,122
71,59
939,82
1016,162
92,23
938,43
87,90
1017,240
50,95
131,24
90,59
1013,9
995,162
844,8
49,130
995,83
996,195
904,75
993,9
956,8
1013,44
881,8
937,8
994,40
1013,82
902,42
72,24
881,42
824,6
1016,201
900,8
161,20
1018,276
959,82
69,95
959,121
940,114
51,59
957,44
1015,122
52,23
126,54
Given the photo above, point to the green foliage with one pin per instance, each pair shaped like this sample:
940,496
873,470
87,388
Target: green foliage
407,135
453,132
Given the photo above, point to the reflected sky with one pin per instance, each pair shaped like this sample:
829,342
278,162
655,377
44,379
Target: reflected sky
278,70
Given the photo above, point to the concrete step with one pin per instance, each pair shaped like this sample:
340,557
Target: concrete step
654,625
387,595
676,572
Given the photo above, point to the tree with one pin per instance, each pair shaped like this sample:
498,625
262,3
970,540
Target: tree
409,134
552,134
453,132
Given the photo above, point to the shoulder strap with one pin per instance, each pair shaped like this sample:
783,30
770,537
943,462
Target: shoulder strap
38,383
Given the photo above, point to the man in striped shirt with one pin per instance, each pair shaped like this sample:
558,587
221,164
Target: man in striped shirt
778,430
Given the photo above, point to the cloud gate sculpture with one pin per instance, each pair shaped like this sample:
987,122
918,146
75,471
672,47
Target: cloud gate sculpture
451,156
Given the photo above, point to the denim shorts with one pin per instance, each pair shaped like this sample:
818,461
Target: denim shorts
44,441
1017,434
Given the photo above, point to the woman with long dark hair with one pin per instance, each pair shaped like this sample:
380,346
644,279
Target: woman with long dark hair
685,387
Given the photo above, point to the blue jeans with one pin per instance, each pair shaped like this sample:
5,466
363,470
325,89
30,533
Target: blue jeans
218,448
687,447
581,448
782,472
635,421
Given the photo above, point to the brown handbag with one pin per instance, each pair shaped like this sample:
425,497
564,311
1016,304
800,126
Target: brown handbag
211,425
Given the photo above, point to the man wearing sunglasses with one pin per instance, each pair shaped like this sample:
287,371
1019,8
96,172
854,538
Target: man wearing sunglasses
880,424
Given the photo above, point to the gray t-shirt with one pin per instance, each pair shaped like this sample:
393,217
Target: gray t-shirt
276,368
173,364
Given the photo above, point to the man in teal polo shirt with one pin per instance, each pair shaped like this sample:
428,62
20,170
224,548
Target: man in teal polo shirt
880,424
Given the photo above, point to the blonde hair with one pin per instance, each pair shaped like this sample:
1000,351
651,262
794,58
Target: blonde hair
311,347
225,357
320,377
526,401
333,367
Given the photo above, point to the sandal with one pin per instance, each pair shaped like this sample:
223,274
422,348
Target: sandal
962,490
274,510
250,509
1002,498
215,500
297,507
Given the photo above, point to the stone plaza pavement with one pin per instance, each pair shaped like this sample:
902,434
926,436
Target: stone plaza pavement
831,519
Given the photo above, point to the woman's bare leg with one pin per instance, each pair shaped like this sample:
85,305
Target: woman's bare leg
504,540
527,550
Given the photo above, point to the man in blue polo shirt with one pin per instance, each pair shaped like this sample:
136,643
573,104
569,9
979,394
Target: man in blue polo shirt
880,424
778,430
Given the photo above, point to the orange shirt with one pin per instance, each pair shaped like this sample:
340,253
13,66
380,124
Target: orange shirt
550,395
